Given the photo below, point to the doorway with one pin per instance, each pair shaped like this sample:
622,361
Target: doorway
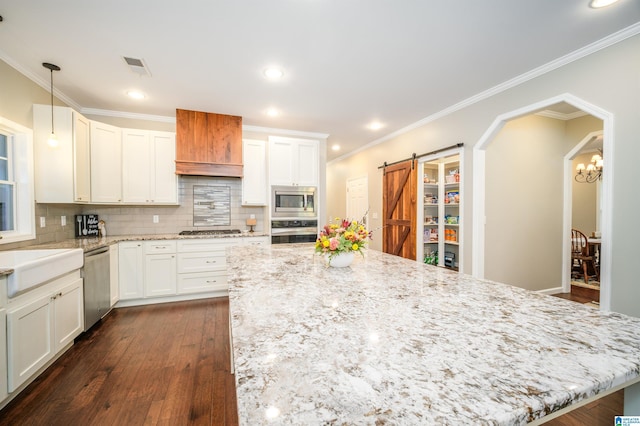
480,179
358,199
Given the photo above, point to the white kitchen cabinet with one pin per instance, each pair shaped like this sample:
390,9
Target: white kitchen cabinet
254,173
148,167
106,163
131,270
42,324
114,282
202,264
293,161
62,173
160,268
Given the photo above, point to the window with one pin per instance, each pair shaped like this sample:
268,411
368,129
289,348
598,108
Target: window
17,210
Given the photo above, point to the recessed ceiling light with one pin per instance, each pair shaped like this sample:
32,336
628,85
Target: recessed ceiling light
336,147
375,125
135,94
272,112
596,4
273,73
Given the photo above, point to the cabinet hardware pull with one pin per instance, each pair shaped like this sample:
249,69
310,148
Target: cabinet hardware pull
210,261
212,281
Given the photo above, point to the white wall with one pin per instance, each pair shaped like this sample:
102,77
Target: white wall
609,79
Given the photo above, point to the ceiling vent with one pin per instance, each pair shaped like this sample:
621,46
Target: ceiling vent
137,66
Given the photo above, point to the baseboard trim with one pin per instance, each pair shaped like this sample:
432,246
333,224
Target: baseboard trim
550,291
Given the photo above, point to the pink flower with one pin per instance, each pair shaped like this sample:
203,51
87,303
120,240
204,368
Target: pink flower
333,243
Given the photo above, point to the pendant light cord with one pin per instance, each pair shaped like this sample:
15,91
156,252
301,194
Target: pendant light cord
52,132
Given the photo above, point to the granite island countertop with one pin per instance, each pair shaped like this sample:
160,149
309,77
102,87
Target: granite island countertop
88,244
392,341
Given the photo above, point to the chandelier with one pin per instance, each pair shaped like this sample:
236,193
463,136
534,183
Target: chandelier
592,172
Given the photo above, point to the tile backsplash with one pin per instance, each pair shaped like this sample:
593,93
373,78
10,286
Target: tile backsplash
123,220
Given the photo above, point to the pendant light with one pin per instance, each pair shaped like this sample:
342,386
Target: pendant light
53,141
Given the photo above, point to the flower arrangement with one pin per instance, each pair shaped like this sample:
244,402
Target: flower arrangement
342,236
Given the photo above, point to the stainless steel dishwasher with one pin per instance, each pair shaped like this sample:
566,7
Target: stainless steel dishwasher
97,292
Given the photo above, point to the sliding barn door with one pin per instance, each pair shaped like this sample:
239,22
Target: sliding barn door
399,209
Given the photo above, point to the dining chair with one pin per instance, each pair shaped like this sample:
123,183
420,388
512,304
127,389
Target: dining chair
580,257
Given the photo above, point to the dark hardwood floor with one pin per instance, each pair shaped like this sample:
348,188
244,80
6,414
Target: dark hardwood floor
165,364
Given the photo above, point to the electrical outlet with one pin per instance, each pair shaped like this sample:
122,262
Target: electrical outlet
63,220
252,216
42,221
374,215
156,218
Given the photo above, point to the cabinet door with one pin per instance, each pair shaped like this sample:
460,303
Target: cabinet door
29,340
200,282
306,163
81,158
68,314
281,162
136,166
113,274
53,166
164,187
160,275
254,179
131,270
106,163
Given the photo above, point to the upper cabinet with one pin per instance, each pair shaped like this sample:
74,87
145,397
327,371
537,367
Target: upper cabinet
293,161
62,173
148,167
254,181
99,163
106,163
208,144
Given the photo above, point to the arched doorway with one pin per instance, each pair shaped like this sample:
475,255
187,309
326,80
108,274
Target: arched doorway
480,194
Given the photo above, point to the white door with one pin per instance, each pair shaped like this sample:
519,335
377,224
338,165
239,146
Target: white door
164,181
113,274
136,166
280,162
357,198
160,275
130,270
254,173
29,340
68,314
306,163
106,163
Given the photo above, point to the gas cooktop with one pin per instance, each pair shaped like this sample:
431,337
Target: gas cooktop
211,232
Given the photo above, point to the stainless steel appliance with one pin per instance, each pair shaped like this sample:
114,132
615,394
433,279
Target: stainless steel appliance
97,286
293,201
294,231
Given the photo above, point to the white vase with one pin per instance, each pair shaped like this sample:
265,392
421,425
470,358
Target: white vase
340,260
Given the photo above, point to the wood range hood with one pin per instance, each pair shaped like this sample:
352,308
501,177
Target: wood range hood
208,144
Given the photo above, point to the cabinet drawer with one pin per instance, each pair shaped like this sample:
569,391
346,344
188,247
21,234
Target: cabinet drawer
201,282
201,262
159,247
207,245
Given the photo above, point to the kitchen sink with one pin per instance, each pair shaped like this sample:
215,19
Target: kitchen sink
34,267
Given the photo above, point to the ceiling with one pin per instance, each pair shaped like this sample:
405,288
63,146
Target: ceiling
345,63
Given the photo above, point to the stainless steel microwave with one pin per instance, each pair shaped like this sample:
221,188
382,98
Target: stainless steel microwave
293,201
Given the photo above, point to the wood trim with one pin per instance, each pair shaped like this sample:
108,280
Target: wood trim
208,169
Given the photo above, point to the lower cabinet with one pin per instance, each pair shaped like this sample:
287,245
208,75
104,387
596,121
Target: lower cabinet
164,268
131,270
160,268
40,325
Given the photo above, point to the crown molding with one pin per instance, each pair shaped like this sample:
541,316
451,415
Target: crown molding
286,132
130,115
603,43
45,83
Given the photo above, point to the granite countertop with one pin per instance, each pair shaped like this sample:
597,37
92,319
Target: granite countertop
393,341
88,244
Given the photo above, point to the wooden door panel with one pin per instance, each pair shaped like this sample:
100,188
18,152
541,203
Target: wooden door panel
399,209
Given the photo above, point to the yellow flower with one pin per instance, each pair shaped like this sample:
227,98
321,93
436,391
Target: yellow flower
355,223
325,243
354,246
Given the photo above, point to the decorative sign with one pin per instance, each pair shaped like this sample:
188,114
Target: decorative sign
211,205
86,225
